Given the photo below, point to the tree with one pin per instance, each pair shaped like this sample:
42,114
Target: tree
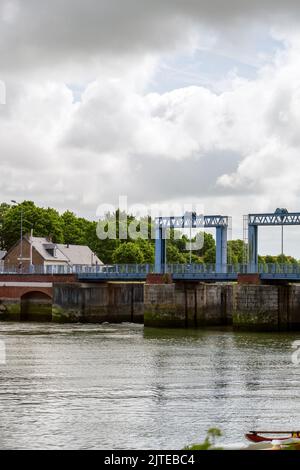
128,253
195,259
147,249
210,256
208,244
104,249
235,251
178,240
174,255
48,224
4,208
270,259
74,228
183,243
293,260
44,222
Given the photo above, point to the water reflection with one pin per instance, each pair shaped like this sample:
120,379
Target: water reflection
120,386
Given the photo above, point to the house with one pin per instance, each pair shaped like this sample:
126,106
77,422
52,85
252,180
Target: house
2,255
42,252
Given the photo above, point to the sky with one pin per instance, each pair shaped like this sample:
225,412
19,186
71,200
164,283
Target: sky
185,101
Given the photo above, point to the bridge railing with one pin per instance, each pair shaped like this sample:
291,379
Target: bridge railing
53,269
200,268
128,268
121,269
272,268
144,269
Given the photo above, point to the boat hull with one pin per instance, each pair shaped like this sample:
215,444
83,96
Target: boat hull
255,437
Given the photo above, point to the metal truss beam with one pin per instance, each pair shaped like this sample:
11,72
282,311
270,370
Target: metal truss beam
193,221
290,218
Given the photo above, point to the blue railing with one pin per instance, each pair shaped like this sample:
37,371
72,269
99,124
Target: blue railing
124,270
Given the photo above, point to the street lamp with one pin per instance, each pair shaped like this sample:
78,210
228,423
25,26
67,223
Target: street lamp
21,234
283,213
192,216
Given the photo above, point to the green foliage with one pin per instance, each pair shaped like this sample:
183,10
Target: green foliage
194,258
261,259
74,228
210,256
283,259
280,259
178,240
174,255
103,248
183,245
235,251
208,244
128,253
44,222
147,248
209,441
4,208
270,259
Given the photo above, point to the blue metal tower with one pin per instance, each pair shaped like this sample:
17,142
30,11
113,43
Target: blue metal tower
191,220
280,217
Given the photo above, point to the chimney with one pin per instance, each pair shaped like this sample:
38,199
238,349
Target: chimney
31,236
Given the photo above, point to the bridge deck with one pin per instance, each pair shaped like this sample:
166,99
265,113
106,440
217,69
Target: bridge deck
193,273
96,277
127,273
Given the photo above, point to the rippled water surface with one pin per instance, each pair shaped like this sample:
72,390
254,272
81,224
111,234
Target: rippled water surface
126,387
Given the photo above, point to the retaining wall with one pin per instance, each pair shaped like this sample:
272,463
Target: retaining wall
96,303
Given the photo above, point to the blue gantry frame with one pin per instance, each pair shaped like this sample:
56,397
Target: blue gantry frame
192,220
278,218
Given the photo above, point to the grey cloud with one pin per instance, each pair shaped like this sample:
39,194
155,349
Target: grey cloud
37,32
157,179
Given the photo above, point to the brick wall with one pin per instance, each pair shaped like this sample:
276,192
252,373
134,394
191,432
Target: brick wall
12,256
16,292
32,281
156,278
38,278
249,279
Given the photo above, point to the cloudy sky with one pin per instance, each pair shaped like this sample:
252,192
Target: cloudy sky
160,100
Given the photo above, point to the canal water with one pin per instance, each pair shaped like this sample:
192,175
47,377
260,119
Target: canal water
126,387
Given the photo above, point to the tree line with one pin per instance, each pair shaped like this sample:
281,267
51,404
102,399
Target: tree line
69,229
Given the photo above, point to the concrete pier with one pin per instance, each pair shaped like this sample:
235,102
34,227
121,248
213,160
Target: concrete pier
97,303
267,307
247,305
188,304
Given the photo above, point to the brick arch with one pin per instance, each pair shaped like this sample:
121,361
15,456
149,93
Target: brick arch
34,292
36,305
17,291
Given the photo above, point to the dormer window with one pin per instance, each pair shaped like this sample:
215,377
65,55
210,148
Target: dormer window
51,249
